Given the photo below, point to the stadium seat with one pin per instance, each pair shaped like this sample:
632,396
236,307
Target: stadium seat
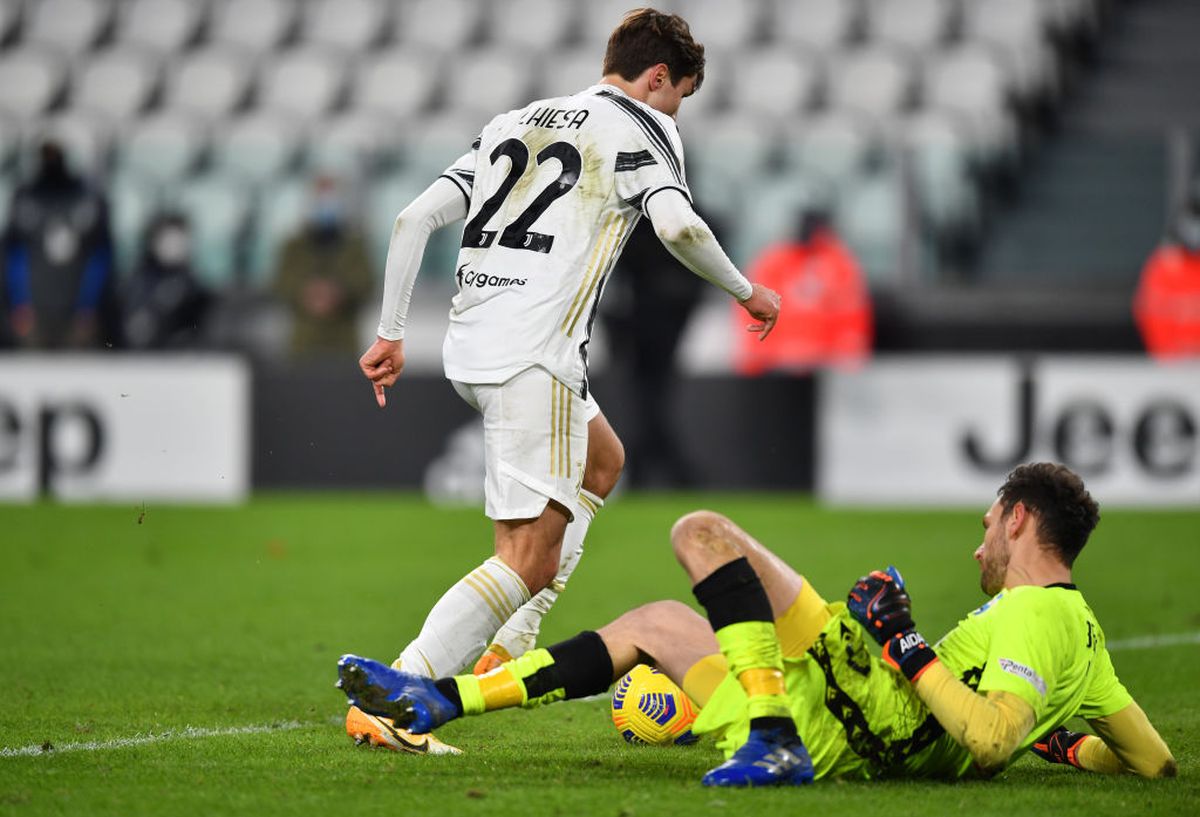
431,145
255,25
724,156
969,82
387,196
714,94
86,138
279,211
488,81
162,148
1017,29
915,25
117,83
942,172
8,186
165,26
132,201
870,217
31,79
398,84
600,17
722,25
10,16
351,144
217,207
775,83
1072,15
568,72
874,82
830,149
444,26
303,83
11,139
349,26
71,26
536,25
210,83
822,25
256,147
771,213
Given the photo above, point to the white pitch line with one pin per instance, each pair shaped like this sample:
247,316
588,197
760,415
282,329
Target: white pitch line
1152,642
186,733
1145,642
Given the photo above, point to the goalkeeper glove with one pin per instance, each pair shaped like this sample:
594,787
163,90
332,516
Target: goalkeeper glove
1060,746
879,602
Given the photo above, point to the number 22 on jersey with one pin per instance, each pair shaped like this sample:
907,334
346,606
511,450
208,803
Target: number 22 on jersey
517,234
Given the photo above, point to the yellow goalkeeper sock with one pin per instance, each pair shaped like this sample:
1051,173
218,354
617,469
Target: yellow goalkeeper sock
574,668
754,657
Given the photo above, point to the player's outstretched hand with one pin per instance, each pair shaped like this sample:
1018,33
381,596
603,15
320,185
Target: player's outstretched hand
1060,746
763,306
382,364
879,602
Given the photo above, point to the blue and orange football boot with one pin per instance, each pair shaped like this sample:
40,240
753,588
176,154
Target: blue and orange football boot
372,730
410,701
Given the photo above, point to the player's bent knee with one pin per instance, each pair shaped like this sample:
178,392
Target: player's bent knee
698,529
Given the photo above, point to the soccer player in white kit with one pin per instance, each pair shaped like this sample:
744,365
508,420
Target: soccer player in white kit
550,193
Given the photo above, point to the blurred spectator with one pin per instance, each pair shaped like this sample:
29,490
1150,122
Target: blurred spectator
324,276
1167,304
58,282
651,296
165,306
826,316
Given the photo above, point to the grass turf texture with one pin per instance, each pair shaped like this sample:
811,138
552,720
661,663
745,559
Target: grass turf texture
115,626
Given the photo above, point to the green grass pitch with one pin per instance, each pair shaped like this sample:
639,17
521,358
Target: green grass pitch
121,624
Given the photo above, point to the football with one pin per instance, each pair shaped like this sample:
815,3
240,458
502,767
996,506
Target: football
647,708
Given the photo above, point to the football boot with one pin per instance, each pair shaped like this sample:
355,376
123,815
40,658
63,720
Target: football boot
769,757
372,730
410,701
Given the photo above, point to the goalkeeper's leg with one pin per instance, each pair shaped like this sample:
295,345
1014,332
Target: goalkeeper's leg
742,606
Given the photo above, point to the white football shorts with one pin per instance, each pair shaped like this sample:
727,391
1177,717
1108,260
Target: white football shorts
534,439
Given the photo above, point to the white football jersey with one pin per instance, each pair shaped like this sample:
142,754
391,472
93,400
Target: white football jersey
553,192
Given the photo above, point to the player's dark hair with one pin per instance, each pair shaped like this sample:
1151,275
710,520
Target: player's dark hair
647,37
1066,513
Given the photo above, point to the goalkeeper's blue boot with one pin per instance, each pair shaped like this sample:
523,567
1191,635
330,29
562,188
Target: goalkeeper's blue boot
769,757
412,702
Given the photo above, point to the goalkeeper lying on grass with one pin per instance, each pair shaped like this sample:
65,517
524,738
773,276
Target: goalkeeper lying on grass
786,682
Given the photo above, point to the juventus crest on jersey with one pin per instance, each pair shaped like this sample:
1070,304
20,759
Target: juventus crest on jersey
554,190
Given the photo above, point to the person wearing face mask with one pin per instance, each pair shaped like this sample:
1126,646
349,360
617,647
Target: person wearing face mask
324,276
165,306
57,260
1167,304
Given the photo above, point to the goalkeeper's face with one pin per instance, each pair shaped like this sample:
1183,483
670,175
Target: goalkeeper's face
993,555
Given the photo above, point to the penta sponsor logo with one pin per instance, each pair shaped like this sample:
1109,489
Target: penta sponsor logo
1022,671
471,278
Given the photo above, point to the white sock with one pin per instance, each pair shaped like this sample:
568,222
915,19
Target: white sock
519,634
461,624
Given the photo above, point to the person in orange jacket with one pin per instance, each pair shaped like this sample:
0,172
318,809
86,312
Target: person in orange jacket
825,297
1167,304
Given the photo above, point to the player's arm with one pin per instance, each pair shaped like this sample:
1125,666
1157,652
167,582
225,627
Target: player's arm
687,237
1125,742
990,726
440,204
